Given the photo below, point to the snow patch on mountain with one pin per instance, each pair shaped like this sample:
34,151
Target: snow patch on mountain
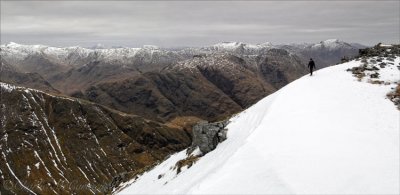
239,47
220,61
5,87
14,52
331,44
325,134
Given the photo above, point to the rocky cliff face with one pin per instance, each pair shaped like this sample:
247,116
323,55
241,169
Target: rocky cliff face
54,144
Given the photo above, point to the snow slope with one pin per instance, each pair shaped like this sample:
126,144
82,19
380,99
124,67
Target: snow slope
325,134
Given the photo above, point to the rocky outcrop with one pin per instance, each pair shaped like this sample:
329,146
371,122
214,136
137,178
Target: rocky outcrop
380,50
206,135
374,59
394,96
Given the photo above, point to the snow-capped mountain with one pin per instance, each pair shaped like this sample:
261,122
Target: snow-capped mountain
324,53
331,133
239,48
14,53
331,44
77,56
328,44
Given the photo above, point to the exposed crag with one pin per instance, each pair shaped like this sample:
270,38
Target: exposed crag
206,136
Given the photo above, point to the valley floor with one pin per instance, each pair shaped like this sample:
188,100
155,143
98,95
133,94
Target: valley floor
325,134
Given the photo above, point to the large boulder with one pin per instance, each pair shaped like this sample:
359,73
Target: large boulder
206,135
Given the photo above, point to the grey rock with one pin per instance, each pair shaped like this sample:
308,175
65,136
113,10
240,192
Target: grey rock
207,136
390,59
370,67
374,75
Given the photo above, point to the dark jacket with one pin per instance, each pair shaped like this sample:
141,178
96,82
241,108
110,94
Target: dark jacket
311,64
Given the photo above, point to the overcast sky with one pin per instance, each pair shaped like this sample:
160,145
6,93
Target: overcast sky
178,23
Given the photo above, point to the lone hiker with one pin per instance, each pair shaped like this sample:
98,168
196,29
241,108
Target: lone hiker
311,65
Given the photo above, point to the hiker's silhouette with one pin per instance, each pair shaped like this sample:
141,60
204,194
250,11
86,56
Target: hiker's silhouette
311,66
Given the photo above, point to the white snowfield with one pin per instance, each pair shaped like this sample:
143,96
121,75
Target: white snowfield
325,134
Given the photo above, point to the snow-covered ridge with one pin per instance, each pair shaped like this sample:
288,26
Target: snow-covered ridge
339,136
16,51
6,87
231,46
23,56
331,44
9,88
221,61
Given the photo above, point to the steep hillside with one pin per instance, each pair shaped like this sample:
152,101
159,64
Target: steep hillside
163,96
10,74
332,133
61,145
81,78
210,87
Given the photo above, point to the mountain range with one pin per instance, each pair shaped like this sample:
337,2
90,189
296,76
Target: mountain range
161,83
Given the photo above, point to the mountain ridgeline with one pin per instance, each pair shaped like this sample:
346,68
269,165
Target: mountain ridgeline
77,120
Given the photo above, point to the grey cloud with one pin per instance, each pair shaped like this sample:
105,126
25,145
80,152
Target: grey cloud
178,23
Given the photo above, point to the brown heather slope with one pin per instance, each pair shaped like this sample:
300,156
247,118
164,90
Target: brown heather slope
163,96
54,144
80,78
210,87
